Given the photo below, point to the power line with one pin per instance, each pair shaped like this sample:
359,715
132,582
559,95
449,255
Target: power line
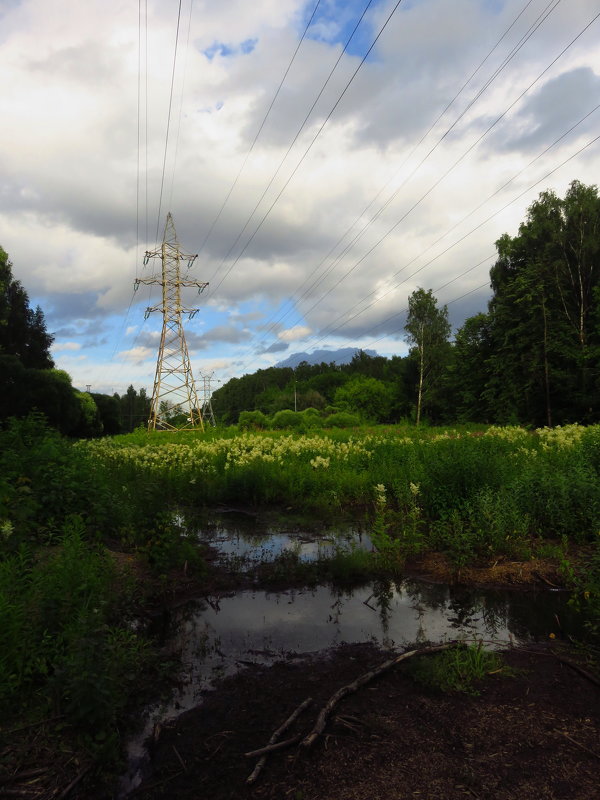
348,272
338,101
319,280
258,132
330,331
162,180
187,46
294,140
453,166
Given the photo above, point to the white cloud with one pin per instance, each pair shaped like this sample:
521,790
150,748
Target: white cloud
370,205
58,347
294,334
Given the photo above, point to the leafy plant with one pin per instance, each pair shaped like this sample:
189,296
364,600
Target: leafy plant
458,669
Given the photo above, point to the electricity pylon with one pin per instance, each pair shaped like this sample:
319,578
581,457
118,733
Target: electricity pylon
207,409
174,404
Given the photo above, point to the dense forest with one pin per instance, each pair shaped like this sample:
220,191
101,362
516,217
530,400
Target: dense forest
31,382
533,358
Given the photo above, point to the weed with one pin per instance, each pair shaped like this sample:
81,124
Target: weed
458,669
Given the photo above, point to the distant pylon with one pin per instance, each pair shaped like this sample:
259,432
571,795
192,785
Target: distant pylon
174,404
207,409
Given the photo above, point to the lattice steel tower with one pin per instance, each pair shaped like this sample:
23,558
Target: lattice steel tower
175,404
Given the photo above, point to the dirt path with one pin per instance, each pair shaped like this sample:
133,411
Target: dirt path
533,734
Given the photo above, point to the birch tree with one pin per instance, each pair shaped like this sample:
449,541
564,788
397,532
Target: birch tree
427,331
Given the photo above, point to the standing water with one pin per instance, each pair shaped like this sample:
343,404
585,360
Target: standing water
216,637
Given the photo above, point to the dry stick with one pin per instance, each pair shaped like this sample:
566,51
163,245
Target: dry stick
21,776
576,667
275,736
583,747
36,724
271,748
181,761
74,782
352,687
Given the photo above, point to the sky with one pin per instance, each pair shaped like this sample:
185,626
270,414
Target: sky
324,160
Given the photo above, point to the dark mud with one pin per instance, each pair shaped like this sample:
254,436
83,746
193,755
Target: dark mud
533,731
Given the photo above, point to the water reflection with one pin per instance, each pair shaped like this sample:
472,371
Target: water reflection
260,627
242,538
218,636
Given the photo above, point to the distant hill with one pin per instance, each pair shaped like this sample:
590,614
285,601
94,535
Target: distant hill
342,356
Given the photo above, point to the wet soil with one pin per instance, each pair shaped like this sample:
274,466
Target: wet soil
533,731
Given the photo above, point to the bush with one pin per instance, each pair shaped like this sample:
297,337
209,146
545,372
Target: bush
341,419
287,419
252,421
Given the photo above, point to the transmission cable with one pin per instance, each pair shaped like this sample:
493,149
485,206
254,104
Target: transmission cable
454,165
337,260
262,124
330,331
179,116
162,180
473,211
338,101
319,280
294,140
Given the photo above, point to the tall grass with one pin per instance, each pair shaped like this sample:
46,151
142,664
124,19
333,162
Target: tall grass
472,494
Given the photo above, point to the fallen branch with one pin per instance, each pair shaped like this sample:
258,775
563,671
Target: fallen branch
309,740
567,661
67,790
271,748
275,736
582,746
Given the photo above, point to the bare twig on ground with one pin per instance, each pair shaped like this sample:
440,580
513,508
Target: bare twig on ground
309,740
271,748
275,736
575,742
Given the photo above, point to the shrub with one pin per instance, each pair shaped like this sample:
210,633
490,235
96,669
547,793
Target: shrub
341,419
252,421
287,419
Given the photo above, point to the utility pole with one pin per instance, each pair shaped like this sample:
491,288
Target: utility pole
174,404
207,409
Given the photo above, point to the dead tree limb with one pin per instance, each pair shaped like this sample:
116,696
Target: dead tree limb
360,681
271,748
275,736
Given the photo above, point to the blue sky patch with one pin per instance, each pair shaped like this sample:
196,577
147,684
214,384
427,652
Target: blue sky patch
225,50
335,20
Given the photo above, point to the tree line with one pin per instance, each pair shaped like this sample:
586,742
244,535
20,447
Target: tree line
31,383
532,358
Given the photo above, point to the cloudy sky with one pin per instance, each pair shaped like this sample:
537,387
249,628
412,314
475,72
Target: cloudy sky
323,159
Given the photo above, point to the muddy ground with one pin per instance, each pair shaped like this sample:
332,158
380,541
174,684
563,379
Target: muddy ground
533,731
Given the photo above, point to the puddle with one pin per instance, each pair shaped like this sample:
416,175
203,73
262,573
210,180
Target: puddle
242,539
217,637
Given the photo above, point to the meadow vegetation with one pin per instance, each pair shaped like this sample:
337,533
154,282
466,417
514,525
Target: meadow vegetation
68,642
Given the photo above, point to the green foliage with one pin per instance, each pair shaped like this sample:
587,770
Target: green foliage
22,330
458,669
341,419
62,639
167,546
367,397
286,419
252,421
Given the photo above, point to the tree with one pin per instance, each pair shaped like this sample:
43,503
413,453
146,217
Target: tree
469,372
369,397
22,330
543,330
427,330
